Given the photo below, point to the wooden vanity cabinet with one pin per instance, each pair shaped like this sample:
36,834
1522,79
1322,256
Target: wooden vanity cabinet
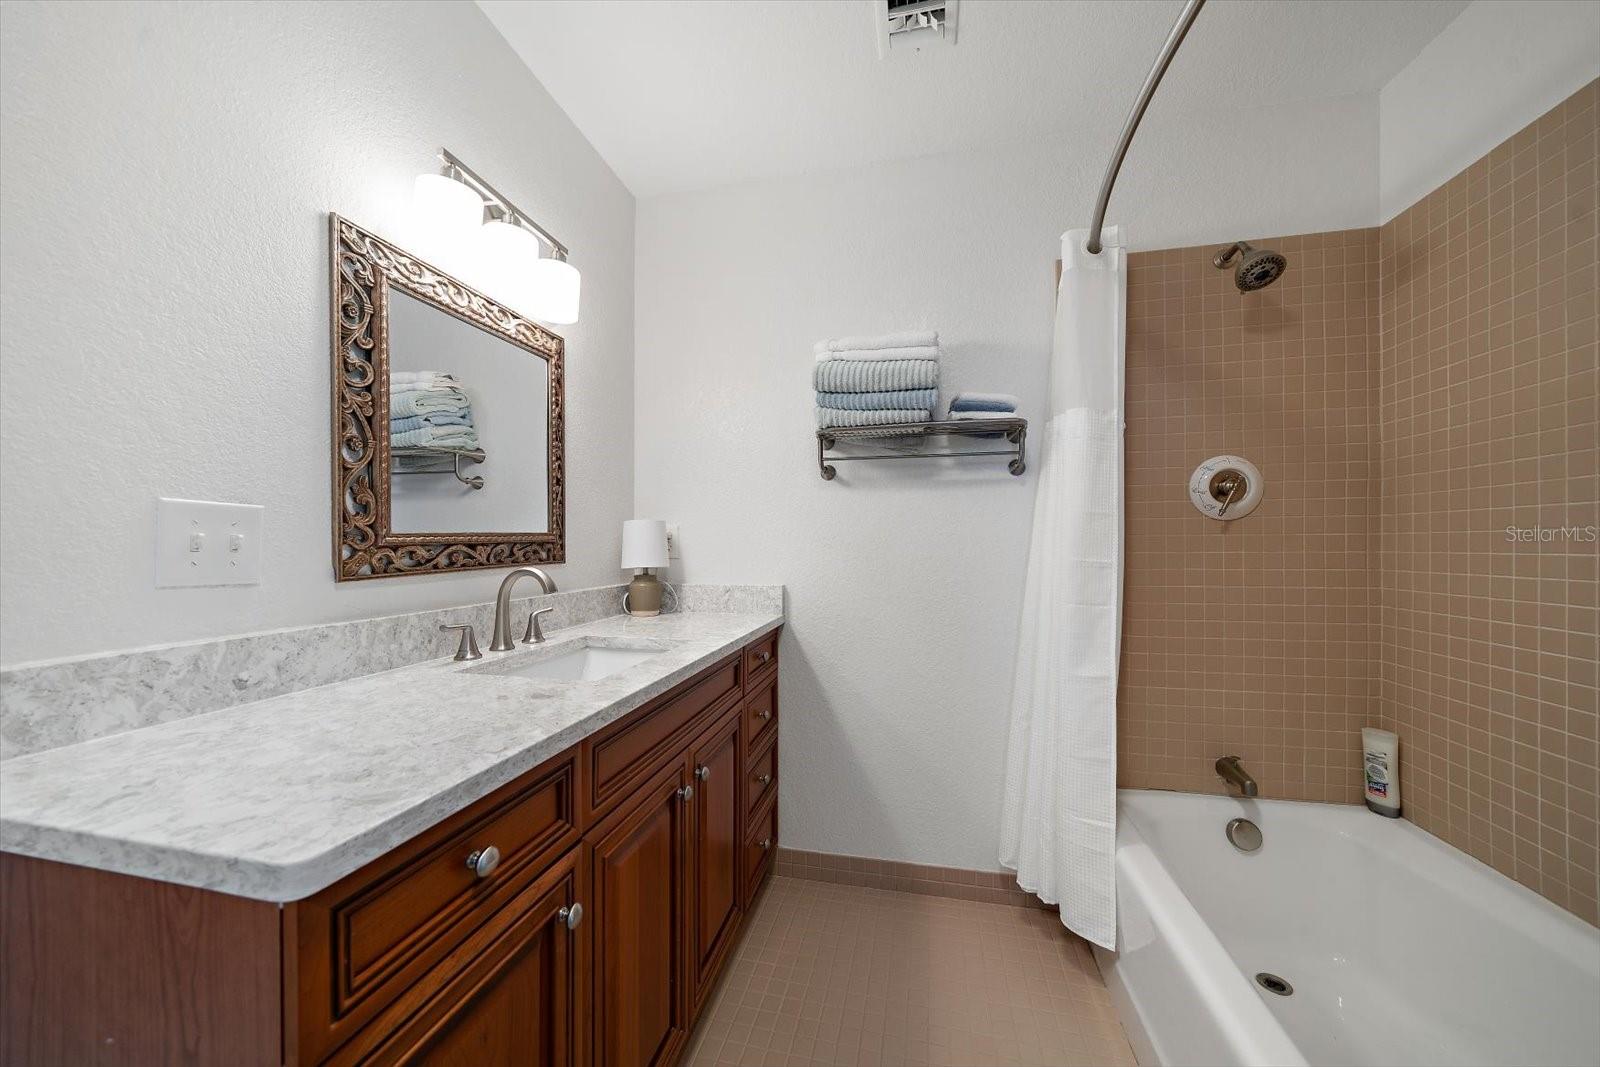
621,873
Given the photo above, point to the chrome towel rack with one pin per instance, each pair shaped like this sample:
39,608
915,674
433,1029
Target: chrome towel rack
1014,431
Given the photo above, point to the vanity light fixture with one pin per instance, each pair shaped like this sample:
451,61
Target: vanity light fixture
509,247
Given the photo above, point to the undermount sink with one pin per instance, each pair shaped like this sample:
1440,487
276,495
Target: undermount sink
580,662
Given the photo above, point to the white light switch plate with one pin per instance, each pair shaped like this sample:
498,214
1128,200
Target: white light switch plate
672,540
200,542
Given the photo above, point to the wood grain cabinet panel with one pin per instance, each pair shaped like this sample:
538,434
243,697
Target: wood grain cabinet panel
761,845
761,777
761,714
639,1003
760,656
714,864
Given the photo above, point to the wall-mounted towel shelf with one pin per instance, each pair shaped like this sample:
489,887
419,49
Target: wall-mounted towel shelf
1013,431
449,461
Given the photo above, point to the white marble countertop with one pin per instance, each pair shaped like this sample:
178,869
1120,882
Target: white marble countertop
279,798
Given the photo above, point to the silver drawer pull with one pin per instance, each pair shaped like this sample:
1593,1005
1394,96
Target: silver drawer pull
571,915
766,844
702,773
686,793
763,656
483,862
764,780
764,713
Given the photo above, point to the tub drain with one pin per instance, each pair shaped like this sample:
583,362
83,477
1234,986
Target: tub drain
1273,984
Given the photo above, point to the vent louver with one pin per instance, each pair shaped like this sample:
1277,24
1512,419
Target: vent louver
913,24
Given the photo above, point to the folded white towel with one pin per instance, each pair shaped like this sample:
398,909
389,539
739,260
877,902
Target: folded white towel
924,339
864,354
959,416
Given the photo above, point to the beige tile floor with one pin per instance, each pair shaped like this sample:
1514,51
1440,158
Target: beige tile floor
838,974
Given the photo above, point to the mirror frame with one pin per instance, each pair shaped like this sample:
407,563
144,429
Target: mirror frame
365,545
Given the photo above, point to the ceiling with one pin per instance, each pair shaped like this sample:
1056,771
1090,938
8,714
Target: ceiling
689,94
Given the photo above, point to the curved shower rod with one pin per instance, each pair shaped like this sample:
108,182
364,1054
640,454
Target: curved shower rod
1164,60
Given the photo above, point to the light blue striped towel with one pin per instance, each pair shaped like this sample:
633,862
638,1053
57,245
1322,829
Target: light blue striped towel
829,417
458,437
875,376
983,402
417,422
429,402
904,400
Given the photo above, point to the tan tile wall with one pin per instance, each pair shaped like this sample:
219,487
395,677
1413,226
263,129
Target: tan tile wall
1489,416
1255,638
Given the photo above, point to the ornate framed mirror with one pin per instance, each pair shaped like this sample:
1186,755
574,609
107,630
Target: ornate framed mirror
448,429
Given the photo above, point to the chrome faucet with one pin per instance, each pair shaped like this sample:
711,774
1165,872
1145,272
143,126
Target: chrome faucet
502,605
1230,770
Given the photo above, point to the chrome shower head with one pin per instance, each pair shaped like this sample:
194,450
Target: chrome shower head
1258,268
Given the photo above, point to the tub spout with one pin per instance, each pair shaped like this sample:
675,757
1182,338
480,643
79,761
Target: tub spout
1230,770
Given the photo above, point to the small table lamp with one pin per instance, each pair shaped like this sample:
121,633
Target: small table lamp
644,545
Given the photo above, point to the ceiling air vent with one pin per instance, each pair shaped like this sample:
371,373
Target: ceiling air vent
913,24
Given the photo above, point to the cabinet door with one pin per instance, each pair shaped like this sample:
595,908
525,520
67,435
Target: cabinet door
519,1004
714,859
640,967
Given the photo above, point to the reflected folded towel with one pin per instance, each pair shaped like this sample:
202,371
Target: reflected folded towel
458,437
859,354
829,417
983,402
417,422
875,376
902,400
429,402
925,339
398,378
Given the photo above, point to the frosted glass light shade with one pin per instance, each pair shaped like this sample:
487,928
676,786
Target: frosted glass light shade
504,253
555,284
446,214
644,542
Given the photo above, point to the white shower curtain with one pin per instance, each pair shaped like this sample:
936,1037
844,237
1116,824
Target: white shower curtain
1058,826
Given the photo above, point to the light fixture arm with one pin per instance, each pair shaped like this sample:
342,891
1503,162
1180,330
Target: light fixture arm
452,167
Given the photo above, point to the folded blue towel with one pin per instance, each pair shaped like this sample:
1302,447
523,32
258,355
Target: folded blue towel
457,437
417,422
983,402
875,376
902,400
827,417
429,402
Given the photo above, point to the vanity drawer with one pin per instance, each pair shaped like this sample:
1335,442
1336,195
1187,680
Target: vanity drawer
368,938
762,781
760,714
628,751
761,654
760,847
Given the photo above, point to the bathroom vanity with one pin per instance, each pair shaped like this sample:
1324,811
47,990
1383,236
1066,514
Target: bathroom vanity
524,871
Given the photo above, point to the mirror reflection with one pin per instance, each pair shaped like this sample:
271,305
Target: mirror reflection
468,426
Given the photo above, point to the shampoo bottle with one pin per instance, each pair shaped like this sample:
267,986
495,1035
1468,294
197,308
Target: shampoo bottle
1381,760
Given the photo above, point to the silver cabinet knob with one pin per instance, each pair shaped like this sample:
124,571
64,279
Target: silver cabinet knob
686,793
766,844
572,915
763,656
765,713
484,861
702,773
764,780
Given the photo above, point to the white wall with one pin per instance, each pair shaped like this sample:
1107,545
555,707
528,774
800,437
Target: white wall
905,579
167,170
1498,66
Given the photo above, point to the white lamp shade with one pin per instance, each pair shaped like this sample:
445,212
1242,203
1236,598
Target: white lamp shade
555,284
446,214
644,542
504,252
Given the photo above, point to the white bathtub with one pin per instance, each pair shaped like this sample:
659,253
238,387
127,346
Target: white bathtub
1400,949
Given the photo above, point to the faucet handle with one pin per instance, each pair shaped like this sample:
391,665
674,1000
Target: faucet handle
469,641
535,632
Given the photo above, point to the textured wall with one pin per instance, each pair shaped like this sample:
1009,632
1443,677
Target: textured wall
905,579
1255,637
168,169
1489,411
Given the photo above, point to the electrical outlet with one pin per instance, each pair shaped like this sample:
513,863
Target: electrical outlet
672,540
199,542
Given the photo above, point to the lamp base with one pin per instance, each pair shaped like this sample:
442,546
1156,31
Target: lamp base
644,596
